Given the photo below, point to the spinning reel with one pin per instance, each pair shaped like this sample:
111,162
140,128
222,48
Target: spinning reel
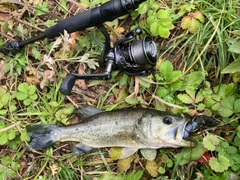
134,57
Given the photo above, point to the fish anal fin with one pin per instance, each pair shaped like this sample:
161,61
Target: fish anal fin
128,151
81,149
149,154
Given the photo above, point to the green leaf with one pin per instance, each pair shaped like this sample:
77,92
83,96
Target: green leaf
237,106
27,101
4,138
219,165
166,69
154,28
175,86
41,8
162,91
21,96
210,142
5,99
131,99
6,160
235,49
193,154
225,112
161,170
143,8
31,90
199,96
23,87
11,134
228,102
185,98
194,78
3,112
53,104
163,13
36,53
163,32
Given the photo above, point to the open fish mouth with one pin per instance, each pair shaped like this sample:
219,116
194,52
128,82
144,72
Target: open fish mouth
181,135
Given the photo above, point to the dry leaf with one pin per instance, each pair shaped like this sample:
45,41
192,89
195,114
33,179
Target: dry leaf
80,82
48,76
124,164
72,40
152,168
33,76
2,68
48,61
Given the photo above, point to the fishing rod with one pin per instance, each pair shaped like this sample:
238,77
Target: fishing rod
134,57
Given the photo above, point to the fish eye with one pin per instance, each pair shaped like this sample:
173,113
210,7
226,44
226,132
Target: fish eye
167,120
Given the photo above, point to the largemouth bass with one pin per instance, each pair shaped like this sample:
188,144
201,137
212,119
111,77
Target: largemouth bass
130,128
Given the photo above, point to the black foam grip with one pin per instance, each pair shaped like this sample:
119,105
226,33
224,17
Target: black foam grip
92,17
71,24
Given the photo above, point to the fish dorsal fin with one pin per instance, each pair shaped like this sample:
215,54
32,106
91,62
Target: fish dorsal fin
85,111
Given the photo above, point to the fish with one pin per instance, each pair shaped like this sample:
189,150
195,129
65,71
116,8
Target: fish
132,129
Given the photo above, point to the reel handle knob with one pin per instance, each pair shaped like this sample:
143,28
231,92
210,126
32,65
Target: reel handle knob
67,84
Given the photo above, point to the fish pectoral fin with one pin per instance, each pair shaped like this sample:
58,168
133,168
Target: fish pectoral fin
127,151
81,149
149,154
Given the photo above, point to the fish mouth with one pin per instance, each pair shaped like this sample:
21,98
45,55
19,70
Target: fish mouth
179,135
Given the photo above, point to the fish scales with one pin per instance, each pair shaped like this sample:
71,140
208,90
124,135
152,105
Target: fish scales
104,129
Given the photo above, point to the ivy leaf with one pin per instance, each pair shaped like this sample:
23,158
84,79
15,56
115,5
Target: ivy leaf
185,98
210,142
219,164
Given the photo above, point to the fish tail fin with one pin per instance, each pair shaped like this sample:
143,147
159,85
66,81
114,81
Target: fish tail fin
41,136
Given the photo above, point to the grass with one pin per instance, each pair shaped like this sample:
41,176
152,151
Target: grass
194,84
